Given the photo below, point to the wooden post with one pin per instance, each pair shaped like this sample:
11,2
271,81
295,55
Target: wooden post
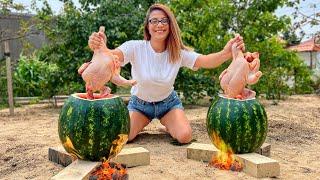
9,77
311,63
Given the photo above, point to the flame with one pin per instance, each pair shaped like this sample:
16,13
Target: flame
225,158
117,145
68,146
110,171
113,170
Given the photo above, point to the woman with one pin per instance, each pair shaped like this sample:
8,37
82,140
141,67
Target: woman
155,64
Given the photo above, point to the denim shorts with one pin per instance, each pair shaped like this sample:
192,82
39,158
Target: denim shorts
155,109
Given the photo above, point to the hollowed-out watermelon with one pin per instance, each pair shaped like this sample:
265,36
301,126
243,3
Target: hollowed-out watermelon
241,124
93,129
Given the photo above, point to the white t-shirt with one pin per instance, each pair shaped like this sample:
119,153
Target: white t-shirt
154,74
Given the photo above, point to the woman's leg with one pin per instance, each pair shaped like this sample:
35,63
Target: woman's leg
177,125
137,122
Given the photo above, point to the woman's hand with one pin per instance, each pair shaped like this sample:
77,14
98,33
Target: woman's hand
97,40
228,47
216,59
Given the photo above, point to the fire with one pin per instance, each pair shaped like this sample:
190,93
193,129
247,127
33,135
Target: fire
110,170
225,158
117,145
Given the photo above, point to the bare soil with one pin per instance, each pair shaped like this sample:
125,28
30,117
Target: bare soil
294,135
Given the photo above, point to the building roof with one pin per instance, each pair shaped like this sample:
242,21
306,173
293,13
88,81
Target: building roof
309,45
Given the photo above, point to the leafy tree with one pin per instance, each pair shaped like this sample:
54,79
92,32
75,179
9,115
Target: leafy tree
34,78
26,27
68,32
284,72
6,6
207,25
311,17
291,37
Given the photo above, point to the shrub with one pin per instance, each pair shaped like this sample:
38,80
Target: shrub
32,77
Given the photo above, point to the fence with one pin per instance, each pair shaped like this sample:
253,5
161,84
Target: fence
56,100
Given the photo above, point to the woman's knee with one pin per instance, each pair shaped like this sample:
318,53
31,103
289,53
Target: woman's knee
131,136
184,135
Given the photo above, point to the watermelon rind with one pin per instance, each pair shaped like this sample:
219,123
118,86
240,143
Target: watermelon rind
241,124
89,129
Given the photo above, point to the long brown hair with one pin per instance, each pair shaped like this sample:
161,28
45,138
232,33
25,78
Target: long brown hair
174,42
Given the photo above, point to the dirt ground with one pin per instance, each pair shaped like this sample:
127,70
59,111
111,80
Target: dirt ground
294,135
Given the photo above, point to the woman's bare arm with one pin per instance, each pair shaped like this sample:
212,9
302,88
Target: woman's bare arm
216,59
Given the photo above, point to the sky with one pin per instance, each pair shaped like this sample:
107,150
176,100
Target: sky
56,6
305,9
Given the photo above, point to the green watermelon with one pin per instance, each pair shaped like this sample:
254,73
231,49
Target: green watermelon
240,124
93,129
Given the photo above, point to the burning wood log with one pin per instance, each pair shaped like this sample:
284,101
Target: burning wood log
110,170
225,161
225,158
254,164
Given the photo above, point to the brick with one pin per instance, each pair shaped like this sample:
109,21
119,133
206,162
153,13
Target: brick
259,166
254,164
60,156
264,150
78,169
133,157
137,156
204,152
201,152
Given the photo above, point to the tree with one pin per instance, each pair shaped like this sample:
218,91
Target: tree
207,25
68,32
6,8
311,17
291,37
27,27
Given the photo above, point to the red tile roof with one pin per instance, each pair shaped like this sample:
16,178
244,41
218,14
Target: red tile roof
309,45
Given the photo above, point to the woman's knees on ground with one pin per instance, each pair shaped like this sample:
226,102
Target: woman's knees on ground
131,136
184,135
